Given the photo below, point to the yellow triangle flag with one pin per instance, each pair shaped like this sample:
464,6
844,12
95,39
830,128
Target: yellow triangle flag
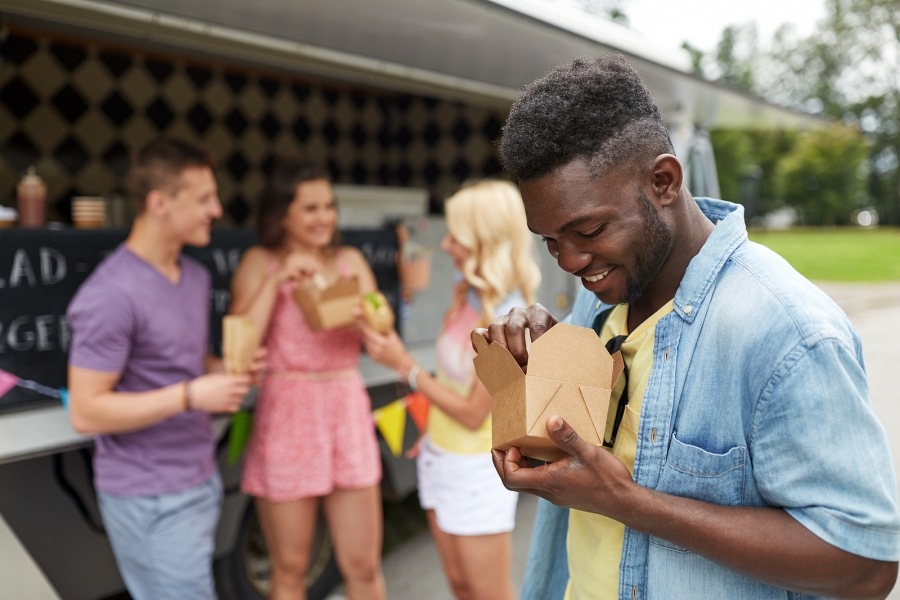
391,422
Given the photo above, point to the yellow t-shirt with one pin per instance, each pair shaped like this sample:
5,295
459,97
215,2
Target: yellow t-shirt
594,542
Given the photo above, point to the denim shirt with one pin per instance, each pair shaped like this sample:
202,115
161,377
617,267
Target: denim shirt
758,397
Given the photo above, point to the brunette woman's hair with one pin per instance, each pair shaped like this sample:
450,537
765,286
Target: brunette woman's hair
280,191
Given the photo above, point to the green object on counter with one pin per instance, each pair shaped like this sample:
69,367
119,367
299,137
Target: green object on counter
238,434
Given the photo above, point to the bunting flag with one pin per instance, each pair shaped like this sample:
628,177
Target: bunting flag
239,434
8,381
391,422
417,405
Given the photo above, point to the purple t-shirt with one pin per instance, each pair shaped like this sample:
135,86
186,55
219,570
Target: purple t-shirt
127,318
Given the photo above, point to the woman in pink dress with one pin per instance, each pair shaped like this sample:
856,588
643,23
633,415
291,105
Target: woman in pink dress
470,514
313,442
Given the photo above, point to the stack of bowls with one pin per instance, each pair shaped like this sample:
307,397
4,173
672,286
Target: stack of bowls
88,212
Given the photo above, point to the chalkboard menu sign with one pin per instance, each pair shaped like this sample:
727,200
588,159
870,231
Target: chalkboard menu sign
40,271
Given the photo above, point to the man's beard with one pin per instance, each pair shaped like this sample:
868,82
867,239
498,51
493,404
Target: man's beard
653,252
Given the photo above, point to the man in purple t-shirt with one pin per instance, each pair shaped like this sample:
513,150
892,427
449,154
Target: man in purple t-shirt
138,379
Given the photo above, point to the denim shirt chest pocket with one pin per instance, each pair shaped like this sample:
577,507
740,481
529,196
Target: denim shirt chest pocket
690,471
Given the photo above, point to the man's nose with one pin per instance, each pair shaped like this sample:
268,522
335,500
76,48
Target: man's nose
570,258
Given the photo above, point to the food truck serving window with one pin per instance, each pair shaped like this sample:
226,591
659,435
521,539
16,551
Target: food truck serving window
40,271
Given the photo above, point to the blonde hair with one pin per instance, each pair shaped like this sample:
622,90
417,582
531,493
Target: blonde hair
488,218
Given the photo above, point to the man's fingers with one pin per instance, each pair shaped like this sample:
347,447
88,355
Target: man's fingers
565,437
498,457
509,462
539,320
509,331
516,472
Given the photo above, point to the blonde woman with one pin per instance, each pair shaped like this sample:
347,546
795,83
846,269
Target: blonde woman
470,514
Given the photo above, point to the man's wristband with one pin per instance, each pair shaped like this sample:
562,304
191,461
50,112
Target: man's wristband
188,401
411,378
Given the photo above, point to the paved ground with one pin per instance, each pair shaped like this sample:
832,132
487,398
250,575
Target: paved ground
875,311
413,571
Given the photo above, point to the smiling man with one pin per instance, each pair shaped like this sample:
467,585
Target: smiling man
136,380
741,456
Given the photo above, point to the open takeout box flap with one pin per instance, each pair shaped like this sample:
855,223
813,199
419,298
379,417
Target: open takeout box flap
329,306
571,353
494,365
345,286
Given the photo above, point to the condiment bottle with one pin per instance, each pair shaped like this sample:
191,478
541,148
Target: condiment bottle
32,200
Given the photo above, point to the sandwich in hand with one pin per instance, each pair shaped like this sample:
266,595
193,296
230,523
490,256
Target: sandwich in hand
377,312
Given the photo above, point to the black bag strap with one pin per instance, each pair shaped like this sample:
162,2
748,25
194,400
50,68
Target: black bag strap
600,319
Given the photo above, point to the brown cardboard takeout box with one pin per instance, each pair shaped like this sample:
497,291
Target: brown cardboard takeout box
569,374
328,306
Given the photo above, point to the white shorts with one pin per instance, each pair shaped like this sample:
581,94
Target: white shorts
464,491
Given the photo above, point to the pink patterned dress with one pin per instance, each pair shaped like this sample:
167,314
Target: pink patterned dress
313,430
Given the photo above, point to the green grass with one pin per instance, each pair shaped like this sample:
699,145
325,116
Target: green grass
830,254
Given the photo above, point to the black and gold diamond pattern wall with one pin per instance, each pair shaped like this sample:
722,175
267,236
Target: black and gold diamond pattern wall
76,109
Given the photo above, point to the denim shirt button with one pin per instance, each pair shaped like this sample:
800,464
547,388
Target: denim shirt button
666,355
653,435
634,592
688,309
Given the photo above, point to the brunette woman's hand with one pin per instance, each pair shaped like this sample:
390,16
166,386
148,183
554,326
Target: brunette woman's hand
385,348
297,266
258,364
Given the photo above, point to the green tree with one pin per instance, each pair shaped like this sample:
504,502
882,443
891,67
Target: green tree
744,153
611,9
736,54
696,55
824,175
849,70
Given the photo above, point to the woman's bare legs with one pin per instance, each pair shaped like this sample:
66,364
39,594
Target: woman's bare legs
289,528
478,567
355,523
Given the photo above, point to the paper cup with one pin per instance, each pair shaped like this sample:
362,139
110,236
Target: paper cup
240,338
415,272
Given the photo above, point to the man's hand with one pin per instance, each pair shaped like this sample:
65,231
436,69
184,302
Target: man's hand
590,478
509,330
219,392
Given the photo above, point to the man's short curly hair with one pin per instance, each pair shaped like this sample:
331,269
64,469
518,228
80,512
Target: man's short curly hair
597,109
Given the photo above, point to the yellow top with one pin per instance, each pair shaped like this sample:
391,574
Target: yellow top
594,542
449,434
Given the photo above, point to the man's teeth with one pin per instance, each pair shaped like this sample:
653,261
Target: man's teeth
594,278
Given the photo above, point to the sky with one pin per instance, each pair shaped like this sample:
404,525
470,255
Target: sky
701,22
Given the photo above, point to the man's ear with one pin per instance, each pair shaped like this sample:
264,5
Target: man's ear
667,178
155,202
